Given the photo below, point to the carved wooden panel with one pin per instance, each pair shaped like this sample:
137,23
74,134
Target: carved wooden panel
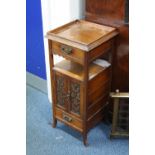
60,88
75,97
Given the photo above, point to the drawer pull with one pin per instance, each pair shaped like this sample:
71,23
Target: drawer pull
66,118
66,49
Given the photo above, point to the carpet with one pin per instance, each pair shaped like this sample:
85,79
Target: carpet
42,139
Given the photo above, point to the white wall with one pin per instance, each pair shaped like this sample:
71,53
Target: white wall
56,13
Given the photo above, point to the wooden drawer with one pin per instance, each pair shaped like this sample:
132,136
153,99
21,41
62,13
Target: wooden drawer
68,52
69,119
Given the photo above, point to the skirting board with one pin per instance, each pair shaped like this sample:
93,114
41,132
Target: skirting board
36,82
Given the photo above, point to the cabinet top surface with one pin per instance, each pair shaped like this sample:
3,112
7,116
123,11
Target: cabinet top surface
82,34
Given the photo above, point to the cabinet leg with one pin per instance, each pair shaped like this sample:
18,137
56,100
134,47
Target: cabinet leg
54,122
85,140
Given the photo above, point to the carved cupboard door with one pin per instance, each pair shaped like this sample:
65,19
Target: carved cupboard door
76,97
69,94
61,88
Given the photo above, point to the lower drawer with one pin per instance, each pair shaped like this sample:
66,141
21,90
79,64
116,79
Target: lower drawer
69,119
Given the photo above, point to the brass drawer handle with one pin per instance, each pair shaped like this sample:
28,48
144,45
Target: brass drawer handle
67,118
66,49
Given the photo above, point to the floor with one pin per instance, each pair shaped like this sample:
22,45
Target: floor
42,139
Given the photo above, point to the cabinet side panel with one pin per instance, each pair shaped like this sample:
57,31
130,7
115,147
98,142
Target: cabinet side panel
98,97
99,80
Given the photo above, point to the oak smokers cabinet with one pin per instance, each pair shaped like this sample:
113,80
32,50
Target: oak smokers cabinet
81,81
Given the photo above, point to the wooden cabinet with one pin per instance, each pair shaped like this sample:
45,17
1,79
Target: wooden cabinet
81,82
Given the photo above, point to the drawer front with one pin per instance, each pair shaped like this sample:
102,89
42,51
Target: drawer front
69,119
68,52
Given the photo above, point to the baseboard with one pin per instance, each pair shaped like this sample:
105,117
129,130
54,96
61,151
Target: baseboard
36,82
